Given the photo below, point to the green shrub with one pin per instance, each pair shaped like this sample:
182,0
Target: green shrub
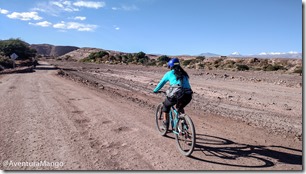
6,62
201,58
242,67
163,58
270,67
152,62
21,48
187,62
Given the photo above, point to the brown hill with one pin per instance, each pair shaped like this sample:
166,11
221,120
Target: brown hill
51,50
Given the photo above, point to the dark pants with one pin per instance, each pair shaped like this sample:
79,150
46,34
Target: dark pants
180,104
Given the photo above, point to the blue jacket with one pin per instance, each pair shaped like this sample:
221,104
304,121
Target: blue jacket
170,76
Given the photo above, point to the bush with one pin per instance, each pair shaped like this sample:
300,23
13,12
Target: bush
141,58
270,67
163,58
298,70
6,62
187,62
96,55
152,62
242,67
201,58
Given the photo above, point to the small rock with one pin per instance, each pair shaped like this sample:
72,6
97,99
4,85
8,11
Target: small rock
297,85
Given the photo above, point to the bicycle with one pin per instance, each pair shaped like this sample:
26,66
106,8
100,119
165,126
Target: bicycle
182,127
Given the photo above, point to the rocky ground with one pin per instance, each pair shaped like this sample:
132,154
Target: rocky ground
271,100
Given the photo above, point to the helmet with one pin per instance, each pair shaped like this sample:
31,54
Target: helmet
173,61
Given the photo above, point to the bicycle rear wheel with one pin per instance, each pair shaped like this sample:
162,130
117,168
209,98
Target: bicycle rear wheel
185,135
159,120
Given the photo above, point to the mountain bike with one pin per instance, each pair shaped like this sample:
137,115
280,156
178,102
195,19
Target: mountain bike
181,125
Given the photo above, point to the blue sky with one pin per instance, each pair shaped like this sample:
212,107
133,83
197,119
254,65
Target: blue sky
171,27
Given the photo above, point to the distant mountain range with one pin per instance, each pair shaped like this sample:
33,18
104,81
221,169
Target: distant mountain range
56,51
209,55
51,50
295,55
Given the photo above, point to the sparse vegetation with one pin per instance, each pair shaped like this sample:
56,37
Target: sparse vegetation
199,62
106,57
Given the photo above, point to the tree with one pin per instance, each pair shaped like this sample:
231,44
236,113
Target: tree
140,55
21,48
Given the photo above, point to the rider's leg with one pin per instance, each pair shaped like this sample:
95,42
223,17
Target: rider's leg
183,102
166,116
166,107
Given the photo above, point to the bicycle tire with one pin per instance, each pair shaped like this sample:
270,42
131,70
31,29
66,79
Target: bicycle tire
159,120
185,136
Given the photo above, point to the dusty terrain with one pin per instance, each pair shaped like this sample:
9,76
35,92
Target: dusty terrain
101,117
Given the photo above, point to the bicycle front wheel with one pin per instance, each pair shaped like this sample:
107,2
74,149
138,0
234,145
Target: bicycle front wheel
185,135
162,129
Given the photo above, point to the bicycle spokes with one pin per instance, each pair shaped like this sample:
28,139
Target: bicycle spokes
159,120
185,136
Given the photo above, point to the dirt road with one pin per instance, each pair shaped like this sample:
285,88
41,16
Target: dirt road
45,117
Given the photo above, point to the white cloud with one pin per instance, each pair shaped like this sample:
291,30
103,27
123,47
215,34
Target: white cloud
292,52
25,16
75,26
55,7
42,24
82,18
235,53
39,9
277,53
116,27
59,4
3,11
89,4
126,7
64,5
129,8
61,25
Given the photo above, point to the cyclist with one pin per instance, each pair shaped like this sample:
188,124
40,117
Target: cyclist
179,93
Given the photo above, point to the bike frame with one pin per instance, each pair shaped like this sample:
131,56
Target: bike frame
173,118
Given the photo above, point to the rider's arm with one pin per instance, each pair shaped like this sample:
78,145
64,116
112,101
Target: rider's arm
162,82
